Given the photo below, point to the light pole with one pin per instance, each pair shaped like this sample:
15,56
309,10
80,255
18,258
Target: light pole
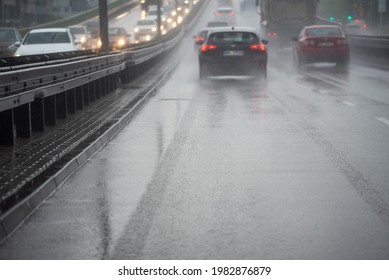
103,16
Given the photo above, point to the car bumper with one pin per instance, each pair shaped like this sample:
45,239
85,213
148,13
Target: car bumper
325,55
237,66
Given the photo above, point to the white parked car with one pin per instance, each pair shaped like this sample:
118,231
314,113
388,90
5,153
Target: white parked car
47,40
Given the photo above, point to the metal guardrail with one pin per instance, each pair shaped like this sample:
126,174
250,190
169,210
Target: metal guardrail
369,41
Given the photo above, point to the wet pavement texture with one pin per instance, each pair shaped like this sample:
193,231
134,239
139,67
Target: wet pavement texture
232,168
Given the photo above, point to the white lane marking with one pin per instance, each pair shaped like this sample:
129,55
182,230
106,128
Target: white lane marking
348,103
383,120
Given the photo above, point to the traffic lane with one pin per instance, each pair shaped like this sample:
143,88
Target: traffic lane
250,184
349,112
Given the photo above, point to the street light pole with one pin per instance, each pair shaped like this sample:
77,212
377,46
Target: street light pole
103,13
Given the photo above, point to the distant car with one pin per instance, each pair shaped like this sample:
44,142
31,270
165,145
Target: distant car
8,36
81,33
356,27
118,38
47,40
225,14
321,43
145,30
233,51
152,14
217,23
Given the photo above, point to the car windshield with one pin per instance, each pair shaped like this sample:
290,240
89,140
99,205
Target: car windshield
233,37
323,32
145,22
115,31
47,38
7,36
153,13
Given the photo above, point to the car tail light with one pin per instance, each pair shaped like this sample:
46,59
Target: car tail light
341,42
205,48
272,35
231,14
308,42
218,14
364,26
259,47
199,39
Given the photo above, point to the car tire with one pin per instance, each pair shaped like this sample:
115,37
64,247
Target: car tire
261,73
300,64
202,72
343,65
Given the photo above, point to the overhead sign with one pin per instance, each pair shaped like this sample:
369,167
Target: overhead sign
382,6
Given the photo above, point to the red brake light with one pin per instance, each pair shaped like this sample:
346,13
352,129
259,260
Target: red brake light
364,26
205,48
199,39
307,42
231,14
272,35
260,47
218,14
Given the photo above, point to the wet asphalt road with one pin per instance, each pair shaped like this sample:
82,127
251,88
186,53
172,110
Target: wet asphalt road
232,168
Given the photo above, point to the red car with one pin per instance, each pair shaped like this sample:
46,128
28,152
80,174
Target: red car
321,43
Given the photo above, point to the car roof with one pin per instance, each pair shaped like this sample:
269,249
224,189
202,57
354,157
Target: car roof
231,29
40,30
322,26
224,8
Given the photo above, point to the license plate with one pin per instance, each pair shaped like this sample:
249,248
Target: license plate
325,44
233,53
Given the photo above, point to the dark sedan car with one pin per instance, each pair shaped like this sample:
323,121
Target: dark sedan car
8,36
233,51
321,43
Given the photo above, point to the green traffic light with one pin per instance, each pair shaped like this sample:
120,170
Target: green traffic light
331,18
349,18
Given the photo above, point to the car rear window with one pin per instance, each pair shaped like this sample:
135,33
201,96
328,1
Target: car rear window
353,26
217,23
323,32
47,38
233,37
225,11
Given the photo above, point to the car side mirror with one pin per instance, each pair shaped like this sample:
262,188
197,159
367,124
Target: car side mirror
265,42
17,44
